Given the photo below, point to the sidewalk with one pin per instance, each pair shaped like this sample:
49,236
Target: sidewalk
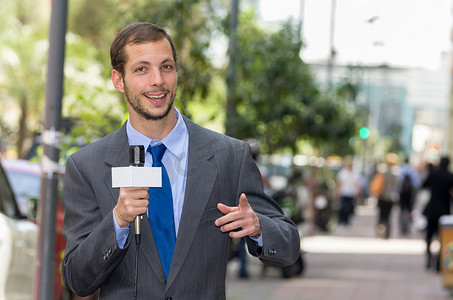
349,263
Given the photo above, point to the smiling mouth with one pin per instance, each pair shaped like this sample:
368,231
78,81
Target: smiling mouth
155,97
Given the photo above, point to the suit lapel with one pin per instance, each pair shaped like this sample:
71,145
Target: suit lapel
116,155
201,176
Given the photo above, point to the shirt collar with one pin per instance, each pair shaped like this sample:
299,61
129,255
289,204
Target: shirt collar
174,141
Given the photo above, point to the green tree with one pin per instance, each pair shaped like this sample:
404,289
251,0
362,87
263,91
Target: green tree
278,100
23,47
91,106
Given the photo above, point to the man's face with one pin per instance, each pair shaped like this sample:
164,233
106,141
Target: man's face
150,80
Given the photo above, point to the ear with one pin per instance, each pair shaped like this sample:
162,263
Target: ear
117,81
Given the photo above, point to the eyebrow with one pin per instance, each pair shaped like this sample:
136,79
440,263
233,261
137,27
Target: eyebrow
171,60
145,62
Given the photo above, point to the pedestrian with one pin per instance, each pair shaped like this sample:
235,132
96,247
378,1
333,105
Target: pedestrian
216,193
422,198
440,182
311,182
347,189
409,182
388,194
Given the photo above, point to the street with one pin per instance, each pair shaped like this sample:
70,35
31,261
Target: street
349,263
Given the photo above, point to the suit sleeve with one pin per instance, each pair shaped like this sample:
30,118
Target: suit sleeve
92,252
281,241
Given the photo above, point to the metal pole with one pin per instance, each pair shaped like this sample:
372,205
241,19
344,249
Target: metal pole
449,132
331,45
301,16
44,283
231,72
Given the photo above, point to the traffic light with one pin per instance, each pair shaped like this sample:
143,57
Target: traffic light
364,133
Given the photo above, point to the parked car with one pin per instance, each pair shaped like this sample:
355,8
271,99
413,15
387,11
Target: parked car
25,179
18,241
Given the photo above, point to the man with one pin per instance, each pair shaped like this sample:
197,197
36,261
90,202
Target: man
409,182
440,183
347,189
216,187
389,194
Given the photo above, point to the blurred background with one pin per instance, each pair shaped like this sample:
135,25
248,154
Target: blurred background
310,81
303,77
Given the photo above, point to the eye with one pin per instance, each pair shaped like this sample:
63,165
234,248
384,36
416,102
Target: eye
140,69
167,67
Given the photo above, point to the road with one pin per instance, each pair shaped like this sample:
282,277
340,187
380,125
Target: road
349,263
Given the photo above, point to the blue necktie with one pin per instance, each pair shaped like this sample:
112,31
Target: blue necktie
160,212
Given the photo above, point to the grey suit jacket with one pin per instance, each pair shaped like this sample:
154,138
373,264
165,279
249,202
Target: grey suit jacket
220,168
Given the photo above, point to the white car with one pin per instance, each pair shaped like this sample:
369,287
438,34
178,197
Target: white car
18,243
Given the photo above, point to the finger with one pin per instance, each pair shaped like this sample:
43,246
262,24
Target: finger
224,220
226,209
243,202
134,193
133,201
139,193
251,224
237,234
238,229
228,212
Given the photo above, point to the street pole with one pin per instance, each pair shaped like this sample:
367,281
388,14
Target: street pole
45,266
332,53
231,72
301,16
449,132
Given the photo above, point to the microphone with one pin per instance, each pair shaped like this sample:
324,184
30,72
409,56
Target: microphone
137,159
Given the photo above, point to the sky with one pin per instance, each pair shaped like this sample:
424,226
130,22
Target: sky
400,33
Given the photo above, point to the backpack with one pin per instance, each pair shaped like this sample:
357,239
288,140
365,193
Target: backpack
406,186
377,184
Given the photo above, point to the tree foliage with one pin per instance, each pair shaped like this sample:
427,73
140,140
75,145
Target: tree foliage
23,49
277,98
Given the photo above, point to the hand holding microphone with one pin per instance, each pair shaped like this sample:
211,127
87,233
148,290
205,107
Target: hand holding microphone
132,201
134,182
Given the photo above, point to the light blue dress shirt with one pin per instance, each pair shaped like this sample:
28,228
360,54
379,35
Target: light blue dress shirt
175,161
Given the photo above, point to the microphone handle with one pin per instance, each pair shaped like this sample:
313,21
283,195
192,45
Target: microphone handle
137,159
137,224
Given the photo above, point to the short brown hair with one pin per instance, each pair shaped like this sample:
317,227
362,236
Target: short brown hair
137,33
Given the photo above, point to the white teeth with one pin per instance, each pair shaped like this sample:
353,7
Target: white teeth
156,97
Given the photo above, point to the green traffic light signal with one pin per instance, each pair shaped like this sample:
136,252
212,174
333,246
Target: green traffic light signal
364,133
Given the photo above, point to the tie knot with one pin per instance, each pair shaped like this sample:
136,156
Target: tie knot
157,152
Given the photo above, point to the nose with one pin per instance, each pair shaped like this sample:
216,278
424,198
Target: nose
155,77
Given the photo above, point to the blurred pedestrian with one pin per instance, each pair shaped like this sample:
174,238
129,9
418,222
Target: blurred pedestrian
311,182
388,195
409,182
347,190
440,183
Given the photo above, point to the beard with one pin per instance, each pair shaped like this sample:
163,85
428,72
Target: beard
139,108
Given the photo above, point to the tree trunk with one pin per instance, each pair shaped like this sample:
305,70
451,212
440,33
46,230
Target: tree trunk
23,130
